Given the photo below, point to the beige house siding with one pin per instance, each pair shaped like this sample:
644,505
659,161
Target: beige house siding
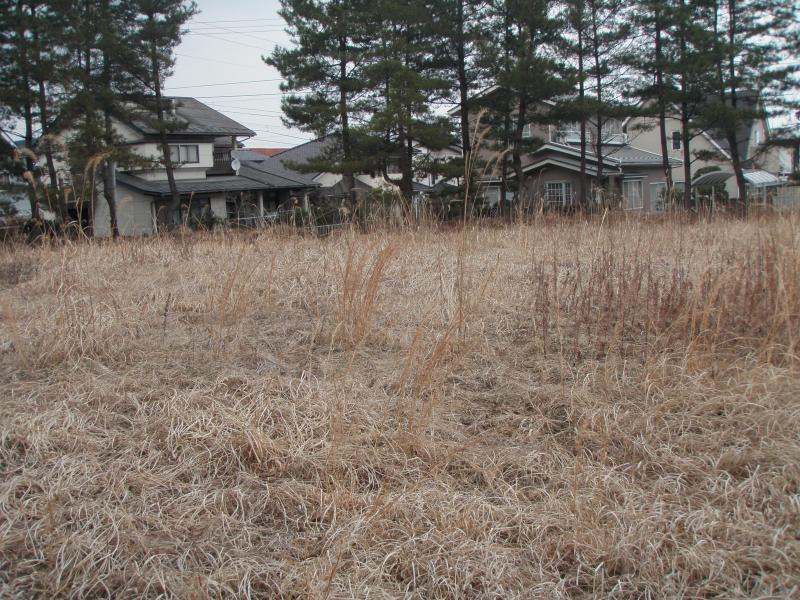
644,133
649,177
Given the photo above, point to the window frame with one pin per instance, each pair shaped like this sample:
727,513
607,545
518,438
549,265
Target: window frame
527,131
626,197
177,152
565,193
658,204
677,140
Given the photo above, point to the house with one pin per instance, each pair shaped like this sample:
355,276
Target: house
293,160
631,167
552,170
710,149
214,183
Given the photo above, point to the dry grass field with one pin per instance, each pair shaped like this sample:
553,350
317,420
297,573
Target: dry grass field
564,409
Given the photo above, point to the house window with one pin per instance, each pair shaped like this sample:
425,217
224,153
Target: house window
527,132
632,194
658,196
558,193
676,140
184,153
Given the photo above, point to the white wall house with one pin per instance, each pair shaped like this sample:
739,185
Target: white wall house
202,144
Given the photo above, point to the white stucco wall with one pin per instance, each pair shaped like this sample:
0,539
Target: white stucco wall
134,214
196,170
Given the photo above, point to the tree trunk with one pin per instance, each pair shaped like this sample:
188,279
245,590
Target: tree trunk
685,117
662,110
599,94
174,209
687,156
736,160
110,192
110,179
516,157
582,180
406,166
463,91
27,112
43,112
348,177
506,116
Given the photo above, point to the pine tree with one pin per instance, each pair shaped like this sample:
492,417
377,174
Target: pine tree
404,80
608,35
529,74
327,61
577,50
459,25
155,34
651,59
24,77
694,61
753,38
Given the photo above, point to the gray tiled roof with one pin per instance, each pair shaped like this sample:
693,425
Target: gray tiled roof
304,153
229,183
248,179
265,166
198,119
631,155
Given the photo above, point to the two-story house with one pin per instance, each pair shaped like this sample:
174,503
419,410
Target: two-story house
630,166
624,172
765,165
213,182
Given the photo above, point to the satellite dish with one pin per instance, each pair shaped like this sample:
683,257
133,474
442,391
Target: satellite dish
236,165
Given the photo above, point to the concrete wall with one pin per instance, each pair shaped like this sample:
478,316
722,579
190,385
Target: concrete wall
218,207
134,214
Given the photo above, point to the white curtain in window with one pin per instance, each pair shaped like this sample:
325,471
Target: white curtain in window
633,195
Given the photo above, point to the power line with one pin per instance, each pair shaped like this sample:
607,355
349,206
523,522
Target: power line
248,29
184,87
249,114
243,95
217,33
234,31
288,135
239,20
222,62
235,42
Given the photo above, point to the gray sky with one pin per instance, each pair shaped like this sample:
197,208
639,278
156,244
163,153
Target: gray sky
224,46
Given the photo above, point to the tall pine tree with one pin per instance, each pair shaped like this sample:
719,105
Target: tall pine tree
324,75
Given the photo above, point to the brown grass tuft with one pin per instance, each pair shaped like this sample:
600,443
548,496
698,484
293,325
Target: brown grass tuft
561,409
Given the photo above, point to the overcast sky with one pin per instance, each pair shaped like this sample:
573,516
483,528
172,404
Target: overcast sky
219,62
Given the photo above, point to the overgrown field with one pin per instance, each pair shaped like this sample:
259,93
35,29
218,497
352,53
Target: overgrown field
566,409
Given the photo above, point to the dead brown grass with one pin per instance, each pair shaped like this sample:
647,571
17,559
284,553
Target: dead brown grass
565,409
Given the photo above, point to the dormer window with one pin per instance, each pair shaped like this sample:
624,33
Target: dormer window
184,153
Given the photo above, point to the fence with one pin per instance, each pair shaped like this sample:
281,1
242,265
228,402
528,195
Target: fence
787,198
